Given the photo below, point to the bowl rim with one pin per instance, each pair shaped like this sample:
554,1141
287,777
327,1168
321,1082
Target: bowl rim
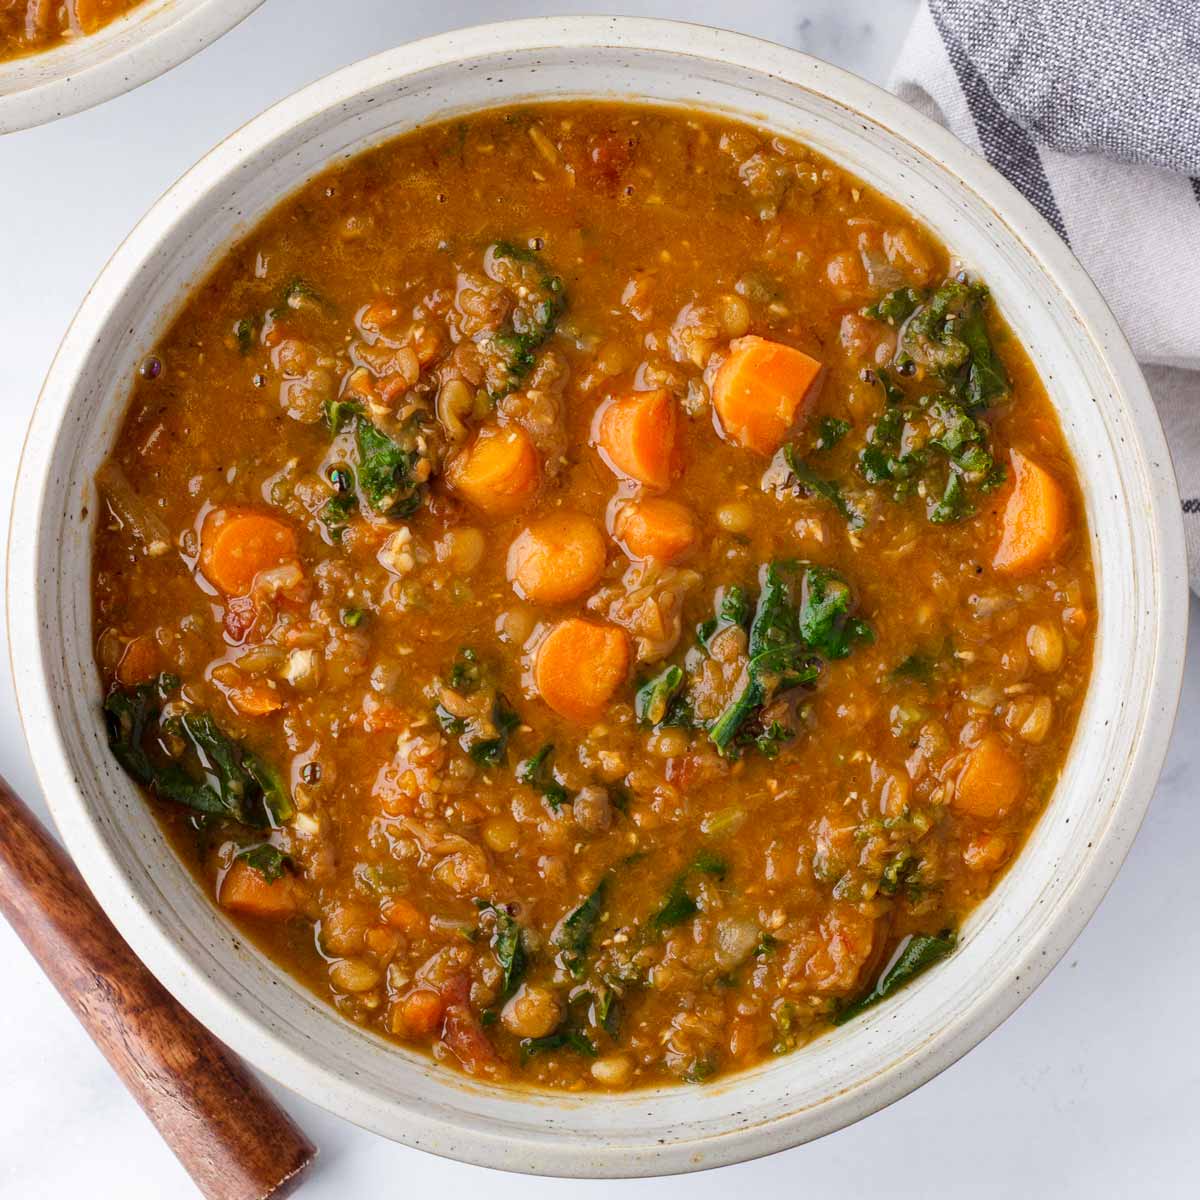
272,1053
157,41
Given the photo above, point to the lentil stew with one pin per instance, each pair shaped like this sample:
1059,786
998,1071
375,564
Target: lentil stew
596,592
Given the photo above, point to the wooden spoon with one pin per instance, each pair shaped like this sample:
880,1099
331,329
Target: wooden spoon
230,1135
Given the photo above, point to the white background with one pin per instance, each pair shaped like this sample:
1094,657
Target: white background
1089,1091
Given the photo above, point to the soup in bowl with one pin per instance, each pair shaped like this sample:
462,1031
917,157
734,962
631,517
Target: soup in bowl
616,597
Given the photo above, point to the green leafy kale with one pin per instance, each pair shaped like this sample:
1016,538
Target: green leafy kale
539,775
735,609
915,955
827,489
238,784
830,431
825,622
243,334
654,700
954,503
269,861
294,294
508,945
896,307
574,934
803,612
246,782
385,472
465,674
948,335
339,412
336,513
678,904
560,1039
540,302
484,740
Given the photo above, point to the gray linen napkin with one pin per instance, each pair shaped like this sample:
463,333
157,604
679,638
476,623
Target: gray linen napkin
1091,108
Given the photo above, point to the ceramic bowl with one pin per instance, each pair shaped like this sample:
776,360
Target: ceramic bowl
148,40
1010,942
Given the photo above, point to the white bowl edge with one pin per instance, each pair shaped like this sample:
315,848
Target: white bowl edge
1017,935
135,48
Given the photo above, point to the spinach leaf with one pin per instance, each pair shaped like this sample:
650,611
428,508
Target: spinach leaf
251,790
827,489
339,412
336,512
465,674
916,666
825,621
915,955
678,905
243,333
539,775
954,504
830,431
492,751
561,1039
608,1012
540,302
652,702
508,945
385,472
896,307
778,657
573,937
294,294
128,716
771,740
735,609
240,784
949,336
269,861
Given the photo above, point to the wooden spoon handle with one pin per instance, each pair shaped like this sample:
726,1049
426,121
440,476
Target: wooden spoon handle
230,1135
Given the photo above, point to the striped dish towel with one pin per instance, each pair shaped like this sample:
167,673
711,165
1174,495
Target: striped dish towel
1091,108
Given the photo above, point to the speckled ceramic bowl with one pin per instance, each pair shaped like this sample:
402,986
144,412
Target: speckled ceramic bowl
148,40
1011,941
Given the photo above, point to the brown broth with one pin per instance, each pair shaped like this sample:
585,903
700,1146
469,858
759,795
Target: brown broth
33,26
746,899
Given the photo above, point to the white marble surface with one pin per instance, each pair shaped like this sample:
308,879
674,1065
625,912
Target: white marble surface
1088,1091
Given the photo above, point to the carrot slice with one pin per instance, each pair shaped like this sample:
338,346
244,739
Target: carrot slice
579,666
991,780
655,528
498,472
139,662
556,559
244,890
762,391
1035,519
638,437
237,543
421,1013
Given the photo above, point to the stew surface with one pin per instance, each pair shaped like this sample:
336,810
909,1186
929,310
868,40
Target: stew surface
597,592
30,26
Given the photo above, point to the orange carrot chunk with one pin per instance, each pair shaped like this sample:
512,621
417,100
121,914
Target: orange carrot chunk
556,559
244,890
764,390
236,544
655,528
1035,518
421,1014
498,473
139,662
638,437
991,780
579,666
